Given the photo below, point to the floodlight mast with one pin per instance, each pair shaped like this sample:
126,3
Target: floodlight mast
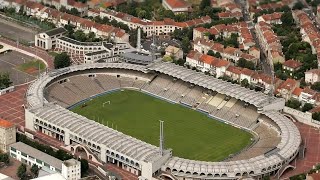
271,93
161,146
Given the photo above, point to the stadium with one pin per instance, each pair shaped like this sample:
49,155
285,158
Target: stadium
263,141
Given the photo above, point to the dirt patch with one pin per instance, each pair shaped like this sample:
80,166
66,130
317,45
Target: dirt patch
31,70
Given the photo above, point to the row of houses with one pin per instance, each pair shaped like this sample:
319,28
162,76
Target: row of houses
165,27
231,9
255,6
222,68
308,31
245,38
61,19
273,18
269,42
229,53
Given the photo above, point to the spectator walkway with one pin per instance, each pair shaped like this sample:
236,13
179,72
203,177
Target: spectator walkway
11,106
312,154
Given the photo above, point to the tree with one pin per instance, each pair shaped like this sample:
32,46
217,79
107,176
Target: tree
245,83
298,5
316,116
62,60
35,170
84,166
21,171
293,103
306,107
74,11
211,53
79,35
5,80
185,45
287,19
316,86
204,4
4,158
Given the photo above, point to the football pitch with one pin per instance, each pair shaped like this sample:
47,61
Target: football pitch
191,134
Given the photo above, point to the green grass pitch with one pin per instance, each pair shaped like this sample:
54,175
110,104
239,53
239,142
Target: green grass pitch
189,133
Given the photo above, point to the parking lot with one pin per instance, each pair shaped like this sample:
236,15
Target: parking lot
10,61
16,32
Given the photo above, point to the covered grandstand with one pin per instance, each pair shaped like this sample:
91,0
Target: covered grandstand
277,141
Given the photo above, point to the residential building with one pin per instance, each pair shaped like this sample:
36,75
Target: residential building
245,38
206,63
312,76
177,6
307,95
291,66
308,31
69,169
229,53
165,27
274,18
270,42
286,88
61,19
254,51
7,135
175,52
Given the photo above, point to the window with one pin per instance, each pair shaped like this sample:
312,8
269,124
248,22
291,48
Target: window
38,161
23,154
13,149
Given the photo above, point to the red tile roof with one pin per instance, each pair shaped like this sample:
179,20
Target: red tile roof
177,3
297,91
292,64
5,123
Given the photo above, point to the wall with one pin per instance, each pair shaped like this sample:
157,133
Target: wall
304,117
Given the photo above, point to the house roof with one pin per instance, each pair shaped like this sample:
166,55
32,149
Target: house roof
247,72
234,69
313,71
177,4
292,64
289,84
297,91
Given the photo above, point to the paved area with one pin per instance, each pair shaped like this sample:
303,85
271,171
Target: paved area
11,106
311,136
31,50
11,169
10,62
125,175
16,31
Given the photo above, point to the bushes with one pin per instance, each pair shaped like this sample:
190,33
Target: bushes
60,154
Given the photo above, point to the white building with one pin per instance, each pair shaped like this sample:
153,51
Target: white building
47,40
30,156
7,135
71,169
312,76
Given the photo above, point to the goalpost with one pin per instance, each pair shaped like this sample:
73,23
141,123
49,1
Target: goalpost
107,102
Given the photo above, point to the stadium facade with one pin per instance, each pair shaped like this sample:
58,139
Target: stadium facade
141,158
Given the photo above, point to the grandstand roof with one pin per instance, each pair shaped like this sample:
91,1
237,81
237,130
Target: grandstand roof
250,96
95,132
